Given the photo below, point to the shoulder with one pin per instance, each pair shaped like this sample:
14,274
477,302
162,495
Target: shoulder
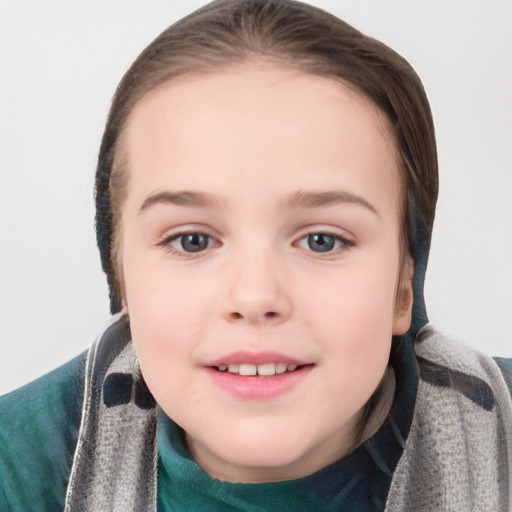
448,363
461,432
39,426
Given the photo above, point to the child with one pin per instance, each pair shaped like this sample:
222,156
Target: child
265,196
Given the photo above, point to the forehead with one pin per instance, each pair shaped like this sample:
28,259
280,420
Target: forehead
262,122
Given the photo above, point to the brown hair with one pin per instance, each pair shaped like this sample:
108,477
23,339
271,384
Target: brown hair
294,35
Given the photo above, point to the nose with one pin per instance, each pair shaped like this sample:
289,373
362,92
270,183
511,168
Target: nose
256,292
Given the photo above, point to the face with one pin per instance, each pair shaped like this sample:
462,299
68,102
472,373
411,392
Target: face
260,256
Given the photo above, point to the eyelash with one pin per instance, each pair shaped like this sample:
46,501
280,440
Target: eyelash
166,243
345,243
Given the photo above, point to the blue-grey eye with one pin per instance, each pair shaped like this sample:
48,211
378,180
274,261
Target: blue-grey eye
192,242
320,242
323,242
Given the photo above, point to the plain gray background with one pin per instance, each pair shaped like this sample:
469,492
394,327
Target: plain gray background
60,62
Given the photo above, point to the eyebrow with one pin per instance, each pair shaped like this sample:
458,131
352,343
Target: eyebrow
315,199
296,200
185,198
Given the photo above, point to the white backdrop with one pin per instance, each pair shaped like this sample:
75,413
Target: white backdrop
60,61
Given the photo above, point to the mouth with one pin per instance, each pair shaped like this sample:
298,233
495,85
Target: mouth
258,376
261,370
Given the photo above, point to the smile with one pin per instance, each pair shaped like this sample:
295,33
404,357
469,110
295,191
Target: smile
258,376
264,370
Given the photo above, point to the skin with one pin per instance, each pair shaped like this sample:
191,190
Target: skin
252,137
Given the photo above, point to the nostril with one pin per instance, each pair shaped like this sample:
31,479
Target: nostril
235,315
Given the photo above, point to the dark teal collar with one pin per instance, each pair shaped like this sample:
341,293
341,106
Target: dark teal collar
358,482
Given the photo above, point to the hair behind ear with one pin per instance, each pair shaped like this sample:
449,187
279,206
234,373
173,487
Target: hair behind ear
404,297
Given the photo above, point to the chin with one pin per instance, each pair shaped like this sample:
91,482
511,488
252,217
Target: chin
256,453
269,454
255,465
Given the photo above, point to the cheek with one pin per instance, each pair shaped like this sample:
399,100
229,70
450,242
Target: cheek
159,298
356,299
167,316
352,318
158,293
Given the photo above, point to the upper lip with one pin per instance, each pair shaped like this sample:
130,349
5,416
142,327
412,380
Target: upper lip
247,357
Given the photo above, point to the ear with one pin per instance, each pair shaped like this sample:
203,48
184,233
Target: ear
404,299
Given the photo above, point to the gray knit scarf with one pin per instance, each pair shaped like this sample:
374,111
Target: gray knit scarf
458,455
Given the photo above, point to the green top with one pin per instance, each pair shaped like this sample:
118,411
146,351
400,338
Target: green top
39,426
38,432
184,486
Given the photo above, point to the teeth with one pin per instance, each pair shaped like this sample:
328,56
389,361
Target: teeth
247,369
266,369
281,367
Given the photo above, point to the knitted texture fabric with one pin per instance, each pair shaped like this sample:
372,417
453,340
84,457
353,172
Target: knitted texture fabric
104,216
457,456
114,466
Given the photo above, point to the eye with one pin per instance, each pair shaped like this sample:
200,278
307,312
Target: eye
189,242
323,242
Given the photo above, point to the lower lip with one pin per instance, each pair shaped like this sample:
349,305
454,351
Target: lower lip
258,387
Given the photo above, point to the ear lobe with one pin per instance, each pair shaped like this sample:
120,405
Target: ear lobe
404,300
